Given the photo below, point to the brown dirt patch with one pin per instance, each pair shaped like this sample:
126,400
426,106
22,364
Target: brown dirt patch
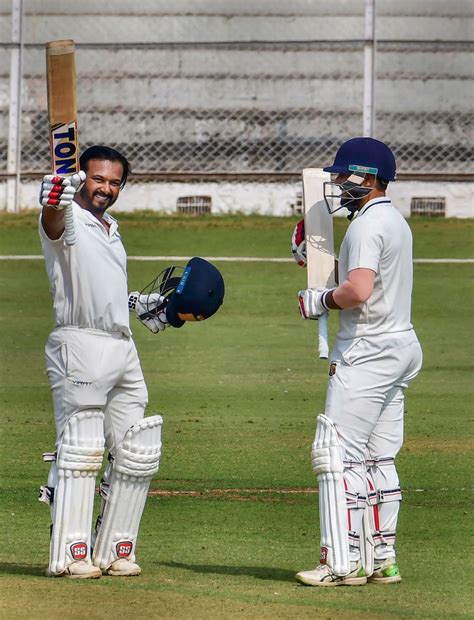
435,444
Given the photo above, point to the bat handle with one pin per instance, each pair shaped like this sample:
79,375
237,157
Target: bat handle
69,228
323,336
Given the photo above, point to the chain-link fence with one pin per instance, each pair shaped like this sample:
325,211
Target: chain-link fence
424,100
250,93
229,108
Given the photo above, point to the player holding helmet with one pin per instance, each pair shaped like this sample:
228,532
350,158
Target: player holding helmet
376,355
97,384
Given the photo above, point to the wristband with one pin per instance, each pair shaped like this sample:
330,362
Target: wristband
327,300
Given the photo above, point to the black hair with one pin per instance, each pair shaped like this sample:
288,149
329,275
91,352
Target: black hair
109,154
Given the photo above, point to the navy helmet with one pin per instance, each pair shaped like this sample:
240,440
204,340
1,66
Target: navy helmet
365,156
198,294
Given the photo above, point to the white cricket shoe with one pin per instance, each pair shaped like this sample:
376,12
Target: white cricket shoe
386,572
123,568
78,570
323,576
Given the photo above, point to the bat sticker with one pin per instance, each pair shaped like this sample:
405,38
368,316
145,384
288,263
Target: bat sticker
64,153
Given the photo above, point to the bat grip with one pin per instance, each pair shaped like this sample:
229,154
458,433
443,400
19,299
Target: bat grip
69,229
323,336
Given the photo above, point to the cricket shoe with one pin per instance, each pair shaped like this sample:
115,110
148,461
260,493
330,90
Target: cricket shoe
386,572
323,576
123,568
78,570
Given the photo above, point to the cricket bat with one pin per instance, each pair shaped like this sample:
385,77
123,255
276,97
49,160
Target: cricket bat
62,117
321,266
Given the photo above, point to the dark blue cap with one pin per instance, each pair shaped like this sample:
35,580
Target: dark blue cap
198,295
367,156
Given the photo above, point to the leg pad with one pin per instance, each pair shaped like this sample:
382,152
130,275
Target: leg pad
126,488
71,487
327,461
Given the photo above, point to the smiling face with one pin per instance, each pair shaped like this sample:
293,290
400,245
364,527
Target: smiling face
102,185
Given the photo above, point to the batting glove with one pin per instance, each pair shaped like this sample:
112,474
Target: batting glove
298,244
312,302
58,192
145,307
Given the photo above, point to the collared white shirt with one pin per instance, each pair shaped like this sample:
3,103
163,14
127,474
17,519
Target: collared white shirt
88,281
379,239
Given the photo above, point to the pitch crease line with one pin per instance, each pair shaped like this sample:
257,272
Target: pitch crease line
230,492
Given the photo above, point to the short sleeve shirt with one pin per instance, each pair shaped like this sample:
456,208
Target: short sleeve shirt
88,281
379,239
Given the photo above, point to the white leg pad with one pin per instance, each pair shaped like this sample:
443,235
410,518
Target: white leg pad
327,461
384,501
136,462
78,459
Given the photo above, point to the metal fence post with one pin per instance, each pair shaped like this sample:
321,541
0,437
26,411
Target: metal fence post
369,70
14,120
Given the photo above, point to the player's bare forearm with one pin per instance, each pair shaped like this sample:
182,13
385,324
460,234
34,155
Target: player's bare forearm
53,222
354,291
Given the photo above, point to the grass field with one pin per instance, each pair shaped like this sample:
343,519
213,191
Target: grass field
232,514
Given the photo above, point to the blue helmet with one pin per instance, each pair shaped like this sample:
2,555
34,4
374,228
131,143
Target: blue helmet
198,295
191,294
366,156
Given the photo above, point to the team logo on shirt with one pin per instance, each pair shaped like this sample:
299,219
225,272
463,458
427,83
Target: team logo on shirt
332,369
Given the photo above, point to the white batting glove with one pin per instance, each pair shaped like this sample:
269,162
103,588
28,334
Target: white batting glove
144,307
298,244
58,192
311,302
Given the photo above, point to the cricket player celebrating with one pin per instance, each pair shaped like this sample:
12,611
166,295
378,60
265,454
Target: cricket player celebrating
98,389
375,356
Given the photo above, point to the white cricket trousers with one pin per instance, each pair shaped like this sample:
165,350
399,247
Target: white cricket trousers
365,401
93,369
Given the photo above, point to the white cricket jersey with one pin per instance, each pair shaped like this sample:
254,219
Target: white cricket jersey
379,239
88,281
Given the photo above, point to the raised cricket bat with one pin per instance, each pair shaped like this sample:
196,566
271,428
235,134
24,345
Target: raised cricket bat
321,266
62,116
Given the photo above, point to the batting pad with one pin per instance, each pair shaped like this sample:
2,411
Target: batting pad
136,462
78,459
327,462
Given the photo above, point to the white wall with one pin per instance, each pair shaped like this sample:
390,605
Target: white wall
264,198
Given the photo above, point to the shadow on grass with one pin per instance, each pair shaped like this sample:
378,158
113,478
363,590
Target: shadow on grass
259,572
12,568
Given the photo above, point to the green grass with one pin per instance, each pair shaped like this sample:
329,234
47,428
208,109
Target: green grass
239,394
150,233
